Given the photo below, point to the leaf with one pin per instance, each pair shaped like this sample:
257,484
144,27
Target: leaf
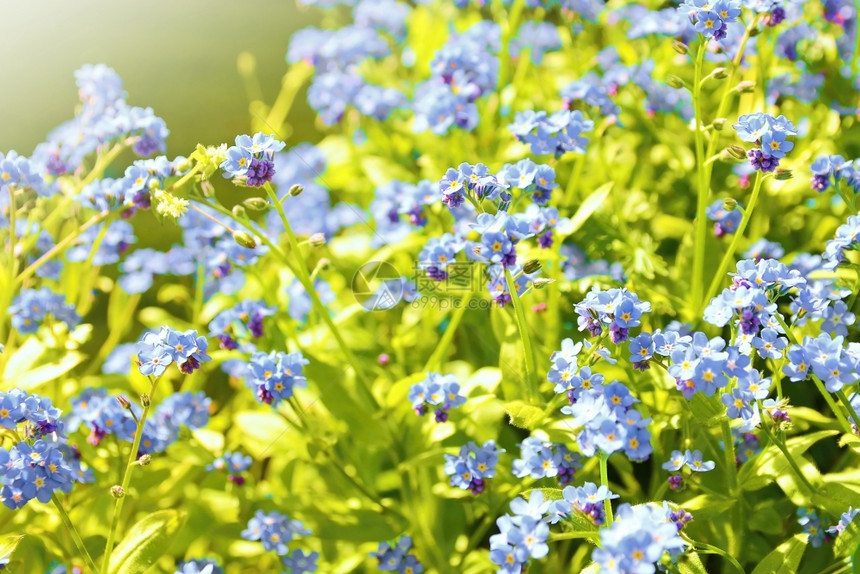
8,545
848,540
852,441
770,463
587,208
705,409
765,518
46,373
261,431
785,558
548,493
707,506
523,415
146,542
690,563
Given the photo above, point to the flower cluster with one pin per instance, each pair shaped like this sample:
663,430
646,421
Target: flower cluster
274,376
555,134
473,465
725,220
522,535
17,171
618,309
844,520
394,556
812,527
770,134
847,238
538,38
691,460
30,308
588,499
240,324
234,463
711,20
639,537
464,69
275,531
157,351
539,459
199,566
250,161
438,392
833,170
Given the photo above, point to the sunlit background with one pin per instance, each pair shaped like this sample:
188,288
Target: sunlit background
176,56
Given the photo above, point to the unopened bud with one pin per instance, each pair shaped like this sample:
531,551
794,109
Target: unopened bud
730,204
531,266
720,73
208,189
244,239
124,402
153,184
239,212
317,240
296,189
755,32
675,81
542,282
145,400
745,87
144,459
323,264
680,47
256,204
736,152
719,123
117,491
782,174
184,165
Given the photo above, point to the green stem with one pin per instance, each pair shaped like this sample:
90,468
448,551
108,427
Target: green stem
64,516
729,255
102,162
604,481
729,447
305,279
530,362
126,479
708,549
791,462
840,394
702,184
435,360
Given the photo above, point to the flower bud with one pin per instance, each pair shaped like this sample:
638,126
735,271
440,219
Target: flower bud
730,204
124,402
323,264
145,400
680,47
782,174
256,204
144,459
239,212
531,266
117,491
542,282
296,189
745,87
317,240
208,189
244,239
736,152
719,123
675,81
153,184
720,73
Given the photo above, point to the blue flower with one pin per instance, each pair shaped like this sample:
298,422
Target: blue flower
274,530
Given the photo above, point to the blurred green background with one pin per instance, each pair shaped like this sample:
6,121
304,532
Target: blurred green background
176,56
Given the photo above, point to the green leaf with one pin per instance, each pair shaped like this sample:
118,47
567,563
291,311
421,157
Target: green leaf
146,542
523,415
690,563
260,431
852,441
707,506
848,540
765,518
706,410
591,204
770,463
51,372
548,493
8,545
785,558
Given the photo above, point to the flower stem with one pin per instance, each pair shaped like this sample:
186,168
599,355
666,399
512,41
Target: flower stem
304,277
840,394
530,363
126,479
604,481
64,516
435,360
702,184
733,246
791,462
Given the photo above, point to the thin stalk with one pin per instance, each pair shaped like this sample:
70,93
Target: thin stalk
435,360
840,394
791,462
522,326
102,162
702,184
708,549
733,246
13,237
305,279
64,516
604,481
126,479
